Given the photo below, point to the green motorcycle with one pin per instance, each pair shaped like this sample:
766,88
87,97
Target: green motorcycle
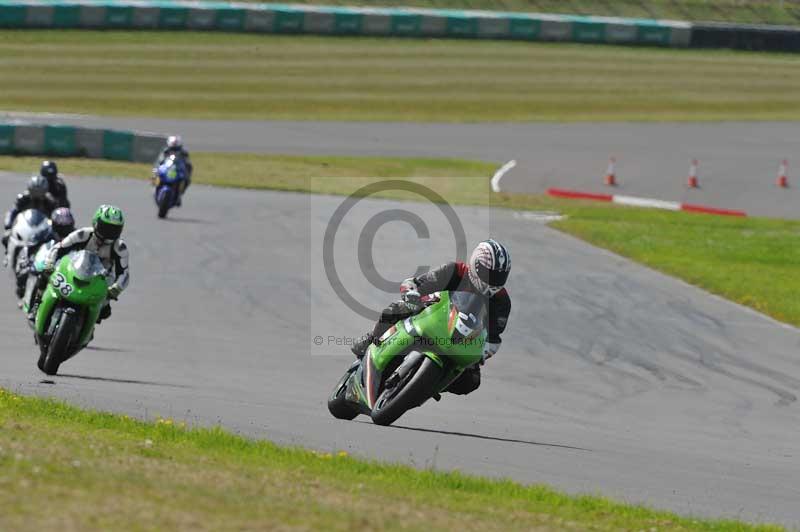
70,306
415,360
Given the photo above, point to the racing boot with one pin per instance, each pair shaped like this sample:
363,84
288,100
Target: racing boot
359,348
181,191
467,382
105,313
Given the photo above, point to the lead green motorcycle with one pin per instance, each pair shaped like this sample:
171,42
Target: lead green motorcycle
415,360
71,303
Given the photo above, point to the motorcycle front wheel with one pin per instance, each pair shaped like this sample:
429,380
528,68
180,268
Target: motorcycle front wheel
410,393
59,344
164,201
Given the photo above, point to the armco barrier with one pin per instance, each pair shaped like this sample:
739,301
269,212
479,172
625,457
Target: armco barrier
324,20
746,37
20,138
395,22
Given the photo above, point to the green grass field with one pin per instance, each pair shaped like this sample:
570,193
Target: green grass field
67,469
321,174
208,75
749,260
749,11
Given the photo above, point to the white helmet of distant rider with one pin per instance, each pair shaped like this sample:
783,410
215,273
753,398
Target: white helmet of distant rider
489,266
174,142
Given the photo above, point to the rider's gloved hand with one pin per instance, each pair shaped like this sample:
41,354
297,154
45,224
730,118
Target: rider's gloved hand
114,291
49,266
412,299
411,296
489,350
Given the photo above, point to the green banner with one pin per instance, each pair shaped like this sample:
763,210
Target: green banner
591,32
59,140
173,17
462,27
348,23
231,19
524,28
119,16
118,145
654,35
406,24
6,139
288,22
65,16
13,16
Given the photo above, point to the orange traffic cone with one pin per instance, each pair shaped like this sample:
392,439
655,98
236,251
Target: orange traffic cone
783,174
693,182
611,173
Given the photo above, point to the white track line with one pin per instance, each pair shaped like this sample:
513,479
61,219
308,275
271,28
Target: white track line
500,173
646,202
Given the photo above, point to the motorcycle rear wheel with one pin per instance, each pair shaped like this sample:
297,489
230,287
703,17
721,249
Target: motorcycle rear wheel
338,406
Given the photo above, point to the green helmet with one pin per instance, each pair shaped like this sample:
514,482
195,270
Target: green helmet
108,222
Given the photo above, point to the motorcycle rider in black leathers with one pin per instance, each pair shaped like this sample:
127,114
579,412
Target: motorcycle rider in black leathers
37,196
58,189
175,147
486,273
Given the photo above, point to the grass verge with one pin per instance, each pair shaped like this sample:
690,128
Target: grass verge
282,172
751,261
228,76
70,469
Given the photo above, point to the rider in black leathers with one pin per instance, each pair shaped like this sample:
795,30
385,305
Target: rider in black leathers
485,274
37,196
57,187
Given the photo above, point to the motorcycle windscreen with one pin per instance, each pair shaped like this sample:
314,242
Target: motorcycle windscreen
41,255
32,227
34,218
87,265
469,313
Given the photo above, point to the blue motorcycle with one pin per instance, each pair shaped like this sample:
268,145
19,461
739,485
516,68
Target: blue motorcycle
170,181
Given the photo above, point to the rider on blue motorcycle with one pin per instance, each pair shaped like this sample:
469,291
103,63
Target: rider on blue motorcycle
175,147
486,273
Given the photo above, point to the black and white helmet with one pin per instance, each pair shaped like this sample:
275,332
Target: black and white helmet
38,186
49,170
63,222
489,266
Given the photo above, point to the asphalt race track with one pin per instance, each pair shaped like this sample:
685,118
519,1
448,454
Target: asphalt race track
738,160
612,378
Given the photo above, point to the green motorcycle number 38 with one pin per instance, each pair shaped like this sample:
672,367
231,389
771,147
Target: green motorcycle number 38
60,283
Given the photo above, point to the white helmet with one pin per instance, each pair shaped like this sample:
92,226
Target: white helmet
175,142
489,267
